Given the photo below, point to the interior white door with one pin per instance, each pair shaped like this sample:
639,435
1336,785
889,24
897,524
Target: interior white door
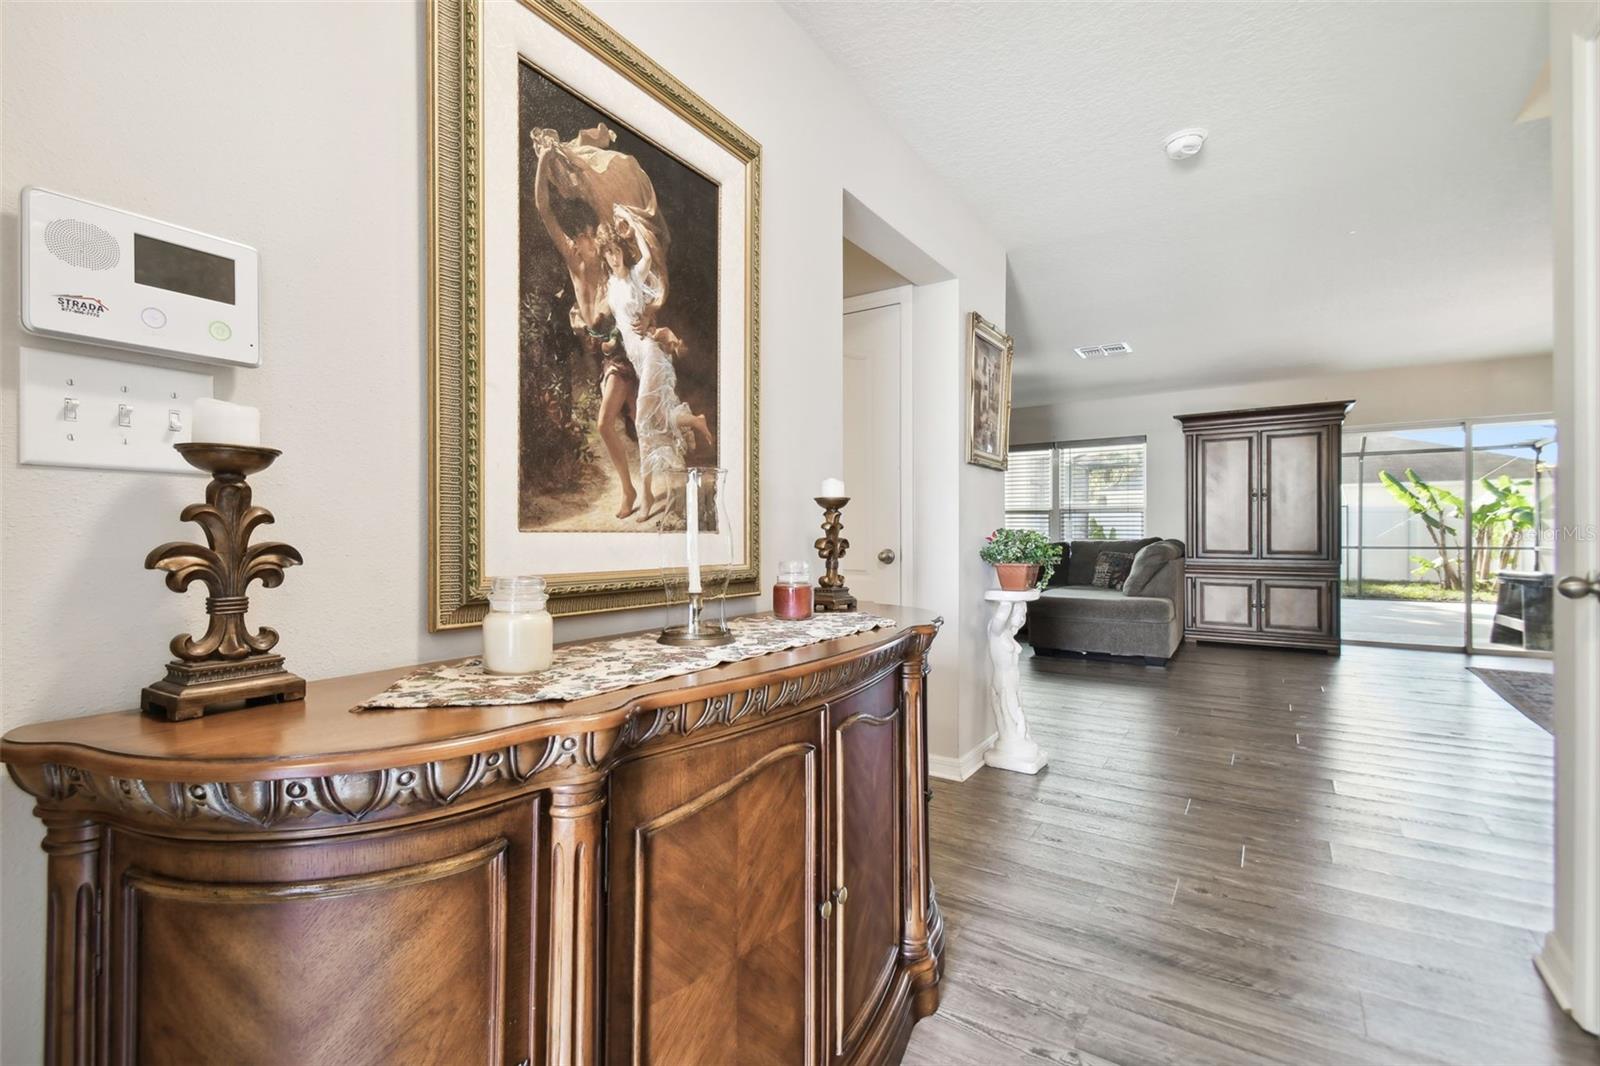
874,332
1570,958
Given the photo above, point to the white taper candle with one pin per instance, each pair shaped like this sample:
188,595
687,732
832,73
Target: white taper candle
693,506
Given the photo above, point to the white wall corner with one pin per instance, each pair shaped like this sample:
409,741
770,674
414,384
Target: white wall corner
962,767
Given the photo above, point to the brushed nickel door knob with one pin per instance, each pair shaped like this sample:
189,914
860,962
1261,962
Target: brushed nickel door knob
826,909
840,895
886,556
1576,588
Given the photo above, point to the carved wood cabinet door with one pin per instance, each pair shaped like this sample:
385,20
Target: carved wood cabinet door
410,944
712,922
866,858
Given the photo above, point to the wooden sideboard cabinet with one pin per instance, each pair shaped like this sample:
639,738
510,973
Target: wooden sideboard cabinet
726,867
1263,525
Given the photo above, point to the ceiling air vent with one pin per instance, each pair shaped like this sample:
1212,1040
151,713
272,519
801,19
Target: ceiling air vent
1105,351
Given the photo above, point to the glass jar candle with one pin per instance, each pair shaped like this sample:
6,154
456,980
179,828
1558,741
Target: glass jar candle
518,637
791,596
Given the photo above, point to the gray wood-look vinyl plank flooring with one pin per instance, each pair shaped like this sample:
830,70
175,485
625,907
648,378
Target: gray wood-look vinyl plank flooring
1252,856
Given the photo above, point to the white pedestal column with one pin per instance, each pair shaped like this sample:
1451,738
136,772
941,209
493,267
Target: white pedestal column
1015,750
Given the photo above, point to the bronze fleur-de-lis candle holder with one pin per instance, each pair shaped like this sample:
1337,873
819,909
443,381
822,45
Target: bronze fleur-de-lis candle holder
228,666
832,594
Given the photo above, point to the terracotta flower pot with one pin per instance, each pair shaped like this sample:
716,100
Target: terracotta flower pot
1017,577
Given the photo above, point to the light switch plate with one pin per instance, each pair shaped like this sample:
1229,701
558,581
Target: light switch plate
104,394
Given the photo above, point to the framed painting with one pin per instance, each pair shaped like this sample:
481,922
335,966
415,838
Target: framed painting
988,394
594,239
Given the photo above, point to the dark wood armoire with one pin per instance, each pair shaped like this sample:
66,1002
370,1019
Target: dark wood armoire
725,867
1262,488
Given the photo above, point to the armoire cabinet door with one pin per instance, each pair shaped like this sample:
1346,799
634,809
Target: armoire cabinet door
866,857
1223,525
1295,490
713,925
1297,607
1223,604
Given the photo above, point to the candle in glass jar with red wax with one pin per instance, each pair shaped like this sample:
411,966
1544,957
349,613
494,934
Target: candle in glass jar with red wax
791,596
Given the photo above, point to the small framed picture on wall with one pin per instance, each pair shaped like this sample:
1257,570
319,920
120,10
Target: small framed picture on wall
988,394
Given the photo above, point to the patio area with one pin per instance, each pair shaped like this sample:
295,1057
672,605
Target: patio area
1414,622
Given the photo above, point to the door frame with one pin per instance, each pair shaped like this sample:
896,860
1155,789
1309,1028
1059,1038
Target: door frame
1569,960
901,297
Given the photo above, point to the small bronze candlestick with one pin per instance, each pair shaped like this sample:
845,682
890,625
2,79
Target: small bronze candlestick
832,594
229,666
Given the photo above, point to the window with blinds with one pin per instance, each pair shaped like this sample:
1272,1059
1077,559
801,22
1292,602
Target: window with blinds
1030,489
1078,490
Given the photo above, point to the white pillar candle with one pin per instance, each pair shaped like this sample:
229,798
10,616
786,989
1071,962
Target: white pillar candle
221,422
832,487
693,506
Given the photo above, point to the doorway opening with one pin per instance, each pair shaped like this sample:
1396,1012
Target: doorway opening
878,318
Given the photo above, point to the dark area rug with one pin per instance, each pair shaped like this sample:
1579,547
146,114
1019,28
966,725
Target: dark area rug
1532,694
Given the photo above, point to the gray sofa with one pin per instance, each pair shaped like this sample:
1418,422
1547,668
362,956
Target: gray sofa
1143,619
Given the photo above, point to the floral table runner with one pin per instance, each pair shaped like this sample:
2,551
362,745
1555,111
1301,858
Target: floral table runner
597,666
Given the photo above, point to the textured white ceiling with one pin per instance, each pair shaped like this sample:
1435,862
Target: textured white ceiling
1365,199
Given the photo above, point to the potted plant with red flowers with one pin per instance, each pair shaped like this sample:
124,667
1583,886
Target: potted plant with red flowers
1021,558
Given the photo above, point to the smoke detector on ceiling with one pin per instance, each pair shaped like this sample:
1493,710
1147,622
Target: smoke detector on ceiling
1105,351
1186,144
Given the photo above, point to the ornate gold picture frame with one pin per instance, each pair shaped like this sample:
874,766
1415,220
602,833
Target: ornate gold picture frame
482,520
988,394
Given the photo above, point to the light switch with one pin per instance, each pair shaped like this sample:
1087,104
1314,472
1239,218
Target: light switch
78,410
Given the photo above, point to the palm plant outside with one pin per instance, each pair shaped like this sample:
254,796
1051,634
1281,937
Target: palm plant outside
1500,523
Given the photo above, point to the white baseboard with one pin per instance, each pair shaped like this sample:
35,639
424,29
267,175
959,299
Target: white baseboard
948,769
1556,969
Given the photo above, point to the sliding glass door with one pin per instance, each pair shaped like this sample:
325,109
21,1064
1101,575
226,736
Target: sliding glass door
1402,536
1446,532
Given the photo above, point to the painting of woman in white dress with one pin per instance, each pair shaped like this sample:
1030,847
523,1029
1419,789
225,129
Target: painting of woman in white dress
618,330
666,429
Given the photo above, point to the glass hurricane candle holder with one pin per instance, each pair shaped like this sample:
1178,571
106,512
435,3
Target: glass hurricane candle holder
695,538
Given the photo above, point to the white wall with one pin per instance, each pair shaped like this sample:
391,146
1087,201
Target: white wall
298,128
1486,389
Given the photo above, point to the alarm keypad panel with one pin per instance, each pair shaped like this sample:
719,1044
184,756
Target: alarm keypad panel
104,276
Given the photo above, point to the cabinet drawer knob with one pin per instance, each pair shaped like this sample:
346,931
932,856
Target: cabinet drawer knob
840,895
826,909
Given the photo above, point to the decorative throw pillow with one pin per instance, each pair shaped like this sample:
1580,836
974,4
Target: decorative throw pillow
1111,569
